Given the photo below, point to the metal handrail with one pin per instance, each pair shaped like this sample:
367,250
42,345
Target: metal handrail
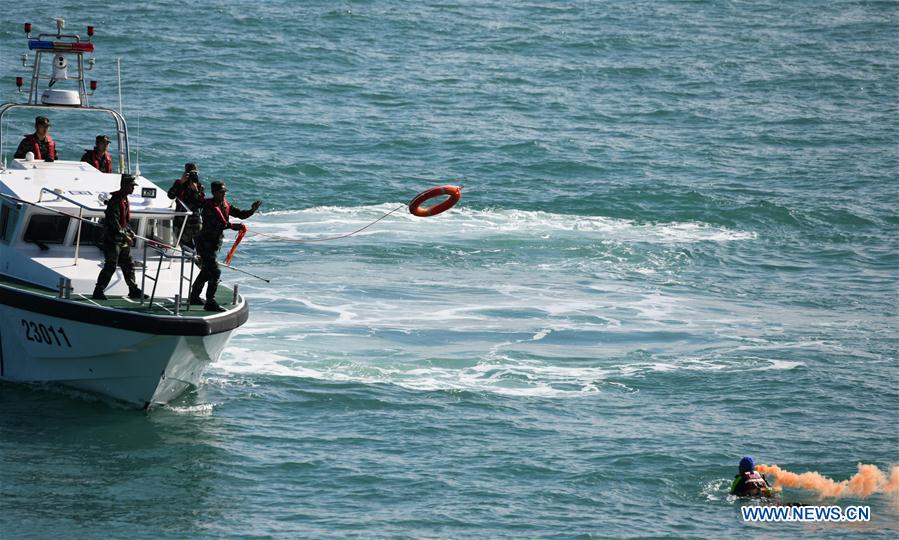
85,220
160,247
183,256
82,207
183,223
146,212
156,242
124,149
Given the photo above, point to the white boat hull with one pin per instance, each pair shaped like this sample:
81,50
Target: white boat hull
141,369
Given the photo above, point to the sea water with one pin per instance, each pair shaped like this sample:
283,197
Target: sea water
676,245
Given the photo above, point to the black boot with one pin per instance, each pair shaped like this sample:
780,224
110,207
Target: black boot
195,299
135,293
211,304
98,293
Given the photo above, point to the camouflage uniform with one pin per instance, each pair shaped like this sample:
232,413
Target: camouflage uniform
115,241
209,241
193,199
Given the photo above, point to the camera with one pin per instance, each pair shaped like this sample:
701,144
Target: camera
193,176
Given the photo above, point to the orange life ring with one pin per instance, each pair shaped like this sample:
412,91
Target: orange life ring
454,192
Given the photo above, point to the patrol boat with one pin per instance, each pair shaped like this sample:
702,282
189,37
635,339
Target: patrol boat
141,352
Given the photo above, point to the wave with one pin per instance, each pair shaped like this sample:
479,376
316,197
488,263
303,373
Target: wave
466,223
495,373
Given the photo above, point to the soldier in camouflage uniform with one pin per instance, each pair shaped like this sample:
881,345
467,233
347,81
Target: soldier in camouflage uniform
189,191
38,143
216,214
117,241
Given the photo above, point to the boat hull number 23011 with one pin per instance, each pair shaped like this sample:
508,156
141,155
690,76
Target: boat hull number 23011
39,333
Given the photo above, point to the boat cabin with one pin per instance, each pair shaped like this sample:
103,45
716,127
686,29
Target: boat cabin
50,209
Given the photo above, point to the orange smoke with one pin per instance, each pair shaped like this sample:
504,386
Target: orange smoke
867,481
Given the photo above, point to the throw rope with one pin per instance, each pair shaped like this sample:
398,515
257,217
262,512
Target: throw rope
454,192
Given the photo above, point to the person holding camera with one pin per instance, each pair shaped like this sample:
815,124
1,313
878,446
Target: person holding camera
216,219
189,190
118,238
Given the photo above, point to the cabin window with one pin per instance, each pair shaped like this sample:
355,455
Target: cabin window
91,235
160,230
47,229
5,223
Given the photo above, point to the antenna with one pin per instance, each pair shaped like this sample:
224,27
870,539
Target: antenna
3,142
118,69
137,165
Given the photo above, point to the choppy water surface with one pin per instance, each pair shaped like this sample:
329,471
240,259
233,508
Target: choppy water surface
677,244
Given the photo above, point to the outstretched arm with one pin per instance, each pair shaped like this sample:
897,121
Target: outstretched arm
244,214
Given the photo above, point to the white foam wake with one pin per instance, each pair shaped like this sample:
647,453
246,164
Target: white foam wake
468,223
495,373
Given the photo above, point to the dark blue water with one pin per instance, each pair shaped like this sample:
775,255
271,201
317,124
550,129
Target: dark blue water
677,244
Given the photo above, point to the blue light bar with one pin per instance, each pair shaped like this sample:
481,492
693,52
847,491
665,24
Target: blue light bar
38,44
61,46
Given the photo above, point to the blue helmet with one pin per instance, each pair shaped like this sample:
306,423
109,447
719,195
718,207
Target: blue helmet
747,464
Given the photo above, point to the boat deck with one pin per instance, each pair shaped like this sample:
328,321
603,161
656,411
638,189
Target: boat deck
161,305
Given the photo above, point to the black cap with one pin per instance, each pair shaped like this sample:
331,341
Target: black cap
102,138
128,180
41,121
190,167
218,186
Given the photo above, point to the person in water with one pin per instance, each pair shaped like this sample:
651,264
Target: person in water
749,483
99,156
117,241
38,143
189,190
216,218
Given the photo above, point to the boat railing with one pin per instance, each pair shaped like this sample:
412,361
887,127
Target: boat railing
165,251
83,207
184,256
124,152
